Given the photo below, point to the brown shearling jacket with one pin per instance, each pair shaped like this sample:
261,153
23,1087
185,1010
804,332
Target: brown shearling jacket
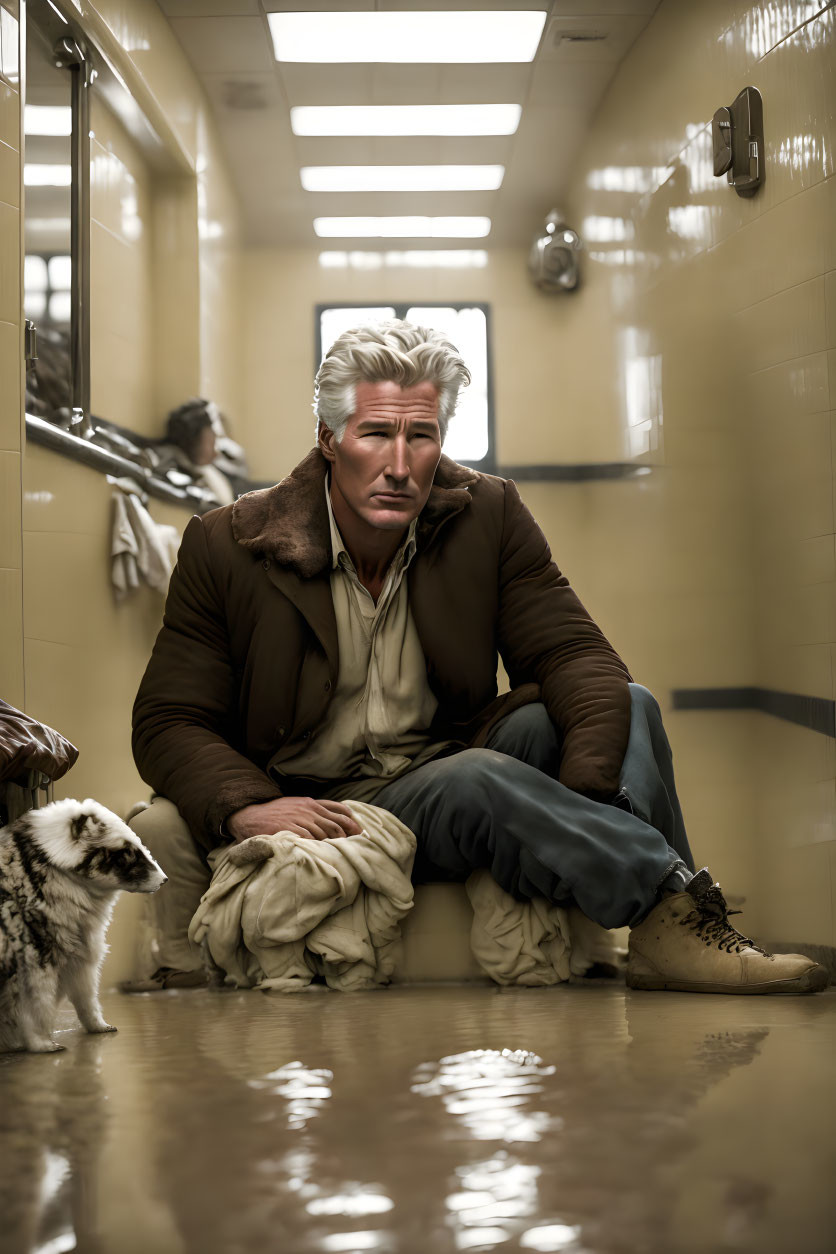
246,662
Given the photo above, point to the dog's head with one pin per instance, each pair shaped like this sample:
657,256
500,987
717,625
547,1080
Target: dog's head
84,838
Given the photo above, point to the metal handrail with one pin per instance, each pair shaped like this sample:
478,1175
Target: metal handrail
39,431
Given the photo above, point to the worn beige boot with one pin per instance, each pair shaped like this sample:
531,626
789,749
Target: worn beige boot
687,943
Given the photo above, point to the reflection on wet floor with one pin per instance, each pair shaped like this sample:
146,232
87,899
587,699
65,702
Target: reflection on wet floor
426,1119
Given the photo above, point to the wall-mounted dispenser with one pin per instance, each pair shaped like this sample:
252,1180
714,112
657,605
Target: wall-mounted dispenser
553,260
738,142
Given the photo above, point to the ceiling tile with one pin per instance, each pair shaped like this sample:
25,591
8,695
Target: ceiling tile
404,84
602,8
567,86
210,8
418,150
353,204
590,38
239,93
215,44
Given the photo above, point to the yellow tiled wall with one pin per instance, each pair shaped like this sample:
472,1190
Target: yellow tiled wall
11,370
541,418
724,301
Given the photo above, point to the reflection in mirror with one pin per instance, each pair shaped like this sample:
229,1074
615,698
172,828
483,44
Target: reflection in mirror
47,176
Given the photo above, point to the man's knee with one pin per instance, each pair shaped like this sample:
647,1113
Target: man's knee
477,774
642,698
164,832
529,735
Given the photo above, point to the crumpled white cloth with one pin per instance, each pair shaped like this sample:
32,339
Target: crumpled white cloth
534,942
281,909
124,571
141,549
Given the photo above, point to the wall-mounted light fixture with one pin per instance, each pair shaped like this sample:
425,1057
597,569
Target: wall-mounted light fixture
737,130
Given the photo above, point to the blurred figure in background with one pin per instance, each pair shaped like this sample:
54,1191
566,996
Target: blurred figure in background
194,432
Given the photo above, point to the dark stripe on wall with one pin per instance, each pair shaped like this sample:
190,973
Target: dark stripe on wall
567,473
817,713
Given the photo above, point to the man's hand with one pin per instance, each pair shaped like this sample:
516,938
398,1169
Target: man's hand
305,816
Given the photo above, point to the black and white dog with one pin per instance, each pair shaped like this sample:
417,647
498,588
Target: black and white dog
61,868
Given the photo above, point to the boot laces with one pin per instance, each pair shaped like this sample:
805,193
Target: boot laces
710,920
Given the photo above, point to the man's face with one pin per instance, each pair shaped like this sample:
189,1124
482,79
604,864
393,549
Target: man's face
383,468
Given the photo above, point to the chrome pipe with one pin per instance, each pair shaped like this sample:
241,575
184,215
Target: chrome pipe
70,52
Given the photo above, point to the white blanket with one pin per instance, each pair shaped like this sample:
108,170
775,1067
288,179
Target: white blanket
281,909
532,942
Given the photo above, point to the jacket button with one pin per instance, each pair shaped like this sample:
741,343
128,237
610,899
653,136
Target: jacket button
328,685
280,732
306,735
266,563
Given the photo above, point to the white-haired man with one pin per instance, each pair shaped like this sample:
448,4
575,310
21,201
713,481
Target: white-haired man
336,637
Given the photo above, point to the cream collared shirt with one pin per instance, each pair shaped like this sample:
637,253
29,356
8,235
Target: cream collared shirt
379,716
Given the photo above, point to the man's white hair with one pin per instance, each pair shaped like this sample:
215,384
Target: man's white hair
393,351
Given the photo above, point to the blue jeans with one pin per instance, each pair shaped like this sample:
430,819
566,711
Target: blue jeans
503,808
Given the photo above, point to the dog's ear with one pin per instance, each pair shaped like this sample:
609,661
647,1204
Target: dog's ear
78,825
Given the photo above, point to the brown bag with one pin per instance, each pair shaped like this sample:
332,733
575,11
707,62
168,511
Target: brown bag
27,745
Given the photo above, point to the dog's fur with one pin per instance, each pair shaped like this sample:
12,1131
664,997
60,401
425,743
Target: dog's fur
61,868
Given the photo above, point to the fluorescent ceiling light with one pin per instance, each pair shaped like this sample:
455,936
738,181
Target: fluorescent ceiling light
401,178
47,119
468,119
403,227
47,175
427,37
60,273
412,258
58,11
60,226
34,274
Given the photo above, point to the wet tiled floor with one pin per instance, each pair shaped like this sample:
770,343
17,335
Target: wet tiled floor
584,1118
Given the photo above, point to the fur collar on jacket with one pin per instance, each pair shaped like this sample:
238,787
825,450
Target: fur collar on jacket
289,522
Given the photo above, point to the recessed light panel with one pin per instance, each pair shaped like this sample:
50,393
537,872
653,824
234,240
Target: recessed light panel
469,119
47,175
401,178
413,227
428,37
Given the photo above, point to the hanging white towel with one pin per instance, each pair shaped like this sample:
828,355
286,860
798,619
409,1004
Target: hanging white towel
154,545
124,550
141,549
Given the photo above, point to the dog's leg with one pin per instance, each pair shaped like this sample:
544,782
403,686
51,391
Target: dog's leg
80,982
36,1014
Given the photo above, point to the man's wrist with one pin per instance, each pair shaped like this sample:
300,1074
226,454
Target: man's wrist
225,826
